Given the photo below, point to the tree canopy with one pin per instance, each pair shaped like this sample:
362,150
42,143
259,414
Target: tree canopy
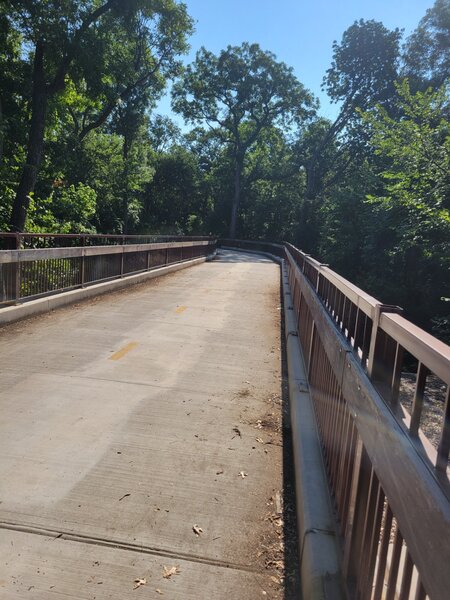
238,94
82,149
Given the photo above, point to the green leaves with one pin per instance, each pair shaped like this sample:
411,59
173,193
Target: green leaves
417,147
239,94
427,50
241,84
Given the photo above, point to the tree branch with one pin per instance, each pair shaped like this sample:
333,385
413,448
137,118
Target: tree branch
58,82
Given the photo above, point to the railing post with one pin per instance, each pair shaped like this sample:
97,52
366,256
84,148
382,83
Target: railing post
83,265
444,443
17,280
122,256
374,358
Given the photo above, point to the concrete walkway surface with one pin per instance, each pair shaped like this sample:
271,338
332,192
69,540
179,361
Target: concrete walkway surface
141,443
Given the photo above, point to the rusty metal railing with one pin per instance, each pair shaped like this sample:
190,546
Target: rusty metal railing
30,273
389,482
17,241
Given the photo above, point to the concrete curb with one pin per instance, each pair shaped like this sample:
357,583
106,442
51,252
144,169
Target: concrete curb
11,314
320,568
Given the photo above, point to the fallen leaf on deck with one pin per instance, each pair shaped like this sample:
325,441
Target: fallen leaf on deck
138,583
197,530
242,474
167,573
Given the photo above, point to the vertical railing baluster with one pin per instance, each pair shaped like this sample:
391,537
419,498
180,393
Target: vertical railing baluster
444,441
416,412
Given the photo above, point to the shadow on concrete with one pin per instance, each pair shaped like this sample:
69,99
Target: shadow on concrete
231,256
292,586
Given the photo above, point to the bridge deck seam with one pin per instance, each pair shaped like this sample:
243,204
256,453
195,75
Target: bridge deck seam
111,543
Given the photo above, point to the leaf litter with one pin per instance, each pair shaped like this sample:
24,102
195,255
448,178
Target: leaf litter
167,573
138,582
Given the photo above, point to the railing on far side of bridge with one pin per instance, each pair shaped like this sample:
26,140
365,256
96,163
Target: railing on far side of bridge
33,272
389,483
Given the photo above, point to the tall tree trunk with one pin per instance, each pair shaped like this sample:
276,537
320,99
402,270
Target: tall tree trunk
35,143
237,197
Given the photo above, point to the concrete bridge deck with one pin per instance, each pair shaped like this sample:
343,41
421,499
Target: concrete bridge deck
133,419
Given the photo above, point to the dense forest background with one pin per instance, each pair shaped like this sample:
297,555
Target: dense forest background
81,149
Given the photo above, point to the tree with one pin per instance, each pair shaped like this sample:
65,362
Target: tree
138,39
415,200
362,73
175,199
131,123
426,53
239,94
164,133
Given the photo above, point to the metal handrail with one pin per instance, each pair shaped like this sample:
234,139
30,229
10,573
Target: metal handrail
21,240
27,274
389,485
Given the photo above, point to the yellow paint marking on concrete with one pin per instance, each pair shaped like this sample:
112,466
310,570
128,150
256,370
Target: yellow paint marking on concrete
180,309
121,353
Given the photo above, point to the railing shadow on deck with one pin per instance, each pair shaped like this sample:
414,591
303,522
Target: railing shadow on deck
292,584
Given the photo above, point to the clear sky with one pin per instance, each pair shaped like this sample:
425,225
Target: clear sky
299,32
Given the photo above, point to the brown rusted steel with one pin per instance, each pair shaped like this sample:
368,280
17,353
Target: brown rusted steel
444,442
405,589
373,463
416,412
383,553
420,592
394,566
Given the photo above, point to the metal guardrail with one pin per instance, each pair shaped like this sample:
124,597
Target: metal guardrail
17,241
27,274
390,486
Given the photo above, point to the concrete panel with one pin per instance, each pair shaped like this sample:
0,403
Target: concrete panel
131,418
42,567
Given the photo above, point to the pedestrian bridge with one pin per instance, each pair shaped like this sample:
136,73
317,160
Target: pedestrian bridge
236,429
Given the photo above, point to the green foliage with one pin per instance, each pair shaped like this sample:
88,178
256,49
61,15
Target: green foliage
417,147
176,195
427,50
239,94
364,64
415,197
368,193
67,210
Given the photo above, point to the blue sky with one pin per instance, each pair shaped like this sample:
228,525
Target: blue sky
298,32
